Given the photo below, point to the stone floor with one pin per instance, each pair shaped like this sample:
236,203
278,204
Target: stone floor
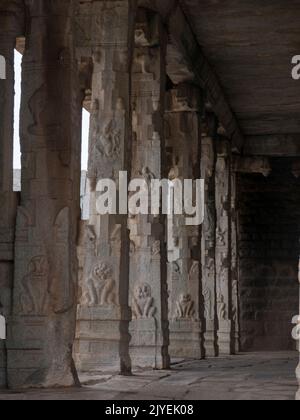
259,376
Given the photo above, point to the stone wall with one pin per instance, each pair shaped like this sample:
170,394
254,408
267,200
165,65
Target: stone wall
269,230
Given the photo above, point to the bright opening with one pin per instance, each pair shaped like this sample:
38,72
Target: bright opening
17,148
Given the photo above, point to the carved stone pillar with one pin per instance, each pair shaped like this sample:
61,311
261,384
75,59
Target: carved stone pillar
42,329
208,240
148,278
296,335
102,337
234,266
184,243
223,247
10,27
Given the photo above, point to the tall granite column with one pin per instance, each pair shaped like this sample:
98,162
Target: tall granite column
208,239
102,337
183,130
42,329
296,335
10,28
148,265
223,247
234,265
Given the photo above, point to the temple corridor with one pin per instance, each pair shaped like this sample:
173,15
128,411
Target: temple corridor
99,280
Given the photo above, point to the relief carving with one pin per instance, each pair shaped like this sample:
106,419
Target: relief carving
100,287
207,304
143,302
222,311
147,175
108,143
43,114
156,248
185,307
34,298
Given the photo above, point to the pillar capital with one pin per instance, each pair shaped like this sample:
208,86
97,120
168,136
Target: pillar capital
185,98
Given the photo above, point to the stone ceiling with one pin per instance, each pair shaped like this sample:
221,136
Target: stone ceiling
250,44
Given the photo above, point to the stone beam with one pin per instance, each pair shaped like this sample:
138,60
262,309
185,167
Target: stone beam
281,145
252,165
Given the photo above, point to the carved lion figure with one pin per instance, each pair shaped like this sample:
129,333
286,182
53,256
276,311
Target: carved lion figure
101,287
142,305
185,307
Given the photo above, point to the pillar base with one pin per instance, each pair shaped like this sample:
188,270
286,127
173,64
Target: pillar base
33,360
210,340
225,338
146,347
98,344
186,339
3,377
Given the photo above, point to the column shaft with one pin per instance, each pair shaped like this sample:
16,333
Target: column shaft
10,27
234,266
102,337
148,280
208,163
42,329
223,247
184,243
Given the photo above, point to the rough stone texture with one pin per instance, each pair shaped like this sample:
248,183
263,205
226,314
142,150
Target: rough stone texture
268,251
208,237
79,53
148,262
41,330
223,247
184,268
234,266
10,27
250,377
103,314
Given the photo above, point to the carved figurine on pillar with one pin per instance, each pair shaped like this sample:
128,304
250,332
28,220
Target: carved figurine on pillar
184,147
148,263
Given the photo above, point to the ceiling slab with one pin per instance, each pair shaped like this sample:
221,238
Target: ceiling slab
250,45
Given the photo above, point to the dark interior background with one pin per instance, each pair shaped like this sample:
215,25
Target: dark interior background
269,231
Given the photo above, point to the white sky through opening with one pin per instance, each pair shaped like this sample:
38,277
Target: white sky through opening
18,72
17,151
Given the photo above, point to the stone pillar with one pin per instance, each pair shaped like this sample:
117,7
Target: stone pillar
10,27
102,337
184,269
234,265
223,246
208,239
148,276
42,329
296,335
